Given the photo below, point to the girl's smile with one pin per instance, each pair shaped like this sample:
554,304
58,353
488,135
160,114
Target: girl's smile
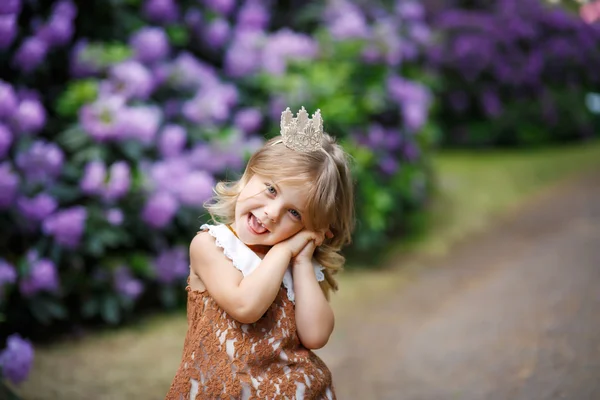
267,213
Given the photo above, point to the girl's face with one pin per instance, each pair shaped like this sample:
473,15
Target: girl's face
267,213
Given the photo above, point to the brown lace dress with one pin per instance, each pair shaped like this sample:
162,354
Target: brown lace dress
225,359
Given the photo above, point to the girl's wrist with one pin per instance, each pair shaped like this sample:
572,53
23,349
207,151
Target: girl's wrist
283,250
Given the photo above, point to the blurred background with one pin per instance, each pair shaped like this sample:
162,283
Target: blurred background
117,117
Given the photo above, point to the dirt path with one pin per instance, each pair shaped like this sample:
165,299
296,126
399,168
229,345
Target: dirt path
512,314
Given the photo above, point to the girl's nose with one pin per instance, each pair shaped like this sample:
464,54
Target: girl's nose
273,212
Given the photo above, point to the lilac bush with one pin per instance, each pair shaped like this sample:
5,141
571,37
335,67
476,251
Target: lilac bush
116,122
515,72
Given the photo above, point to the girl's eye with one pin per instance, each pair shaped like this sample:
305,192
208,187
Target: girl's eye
295,214
271,189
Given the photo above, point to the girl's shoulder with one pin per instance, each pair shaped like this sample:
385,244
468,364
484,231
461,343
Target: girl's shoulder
219,239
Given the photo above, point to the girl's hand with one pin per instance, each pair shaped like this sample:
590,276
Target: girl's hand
298,242
306,254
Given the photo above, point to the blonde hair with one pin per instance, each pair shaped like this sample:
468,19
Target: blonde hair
330,195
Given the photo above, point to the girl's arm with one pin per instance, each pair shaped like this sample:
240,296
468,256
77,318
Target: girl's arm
245,299
314,316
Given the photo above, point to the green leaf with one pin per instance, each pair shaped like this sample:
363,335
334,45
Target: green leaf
168,296
64,193
6,393
178,35
55,309
73,139
139,263
132,149
75,96
90,307
110,309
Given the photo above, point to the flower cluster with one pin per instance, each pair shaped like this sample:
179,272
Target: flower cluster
111,140
16,359
523,66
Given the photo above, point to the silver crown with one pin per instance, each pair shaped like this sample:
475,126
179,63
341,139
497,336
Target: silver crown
302,133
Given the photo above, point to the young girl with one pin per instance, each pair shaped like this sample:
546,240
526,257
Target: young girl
260,277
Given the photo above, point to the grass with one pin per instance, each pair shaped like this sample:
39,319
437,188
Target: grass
474,189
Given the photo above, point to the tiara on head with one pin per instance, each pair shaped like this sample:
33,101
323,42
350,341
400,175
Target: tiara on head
302,133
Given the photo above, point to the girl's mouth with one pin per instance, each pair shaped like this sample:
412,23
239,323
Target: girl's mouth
255,225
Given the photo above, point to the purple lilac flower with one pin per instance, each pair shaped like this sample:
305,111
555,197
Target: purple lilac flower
94,177
66,226
82,62
120,181
187,72
102,119
389,165
276,106
411,152
65,9
393,139
415,115
161,11
210,105
217,33
42,161
491,103
171,265
150,44
8,275
8,30
42,275
30,116
167,176
223,7
125,284
371,54
172,140
410,10
193,18
37,208
9,183
346,21
420,33
196,188
30,54
141,123
159,209
286,45
386,34
17,359
8,100
114,216
207,158
248,120
57,31
376,137
131,80
242,57
6,139
405,91
10,6
253,15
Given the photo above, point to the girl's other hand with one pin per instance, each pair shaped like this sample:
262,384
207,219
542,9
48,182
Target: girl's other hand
298,242
306,254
